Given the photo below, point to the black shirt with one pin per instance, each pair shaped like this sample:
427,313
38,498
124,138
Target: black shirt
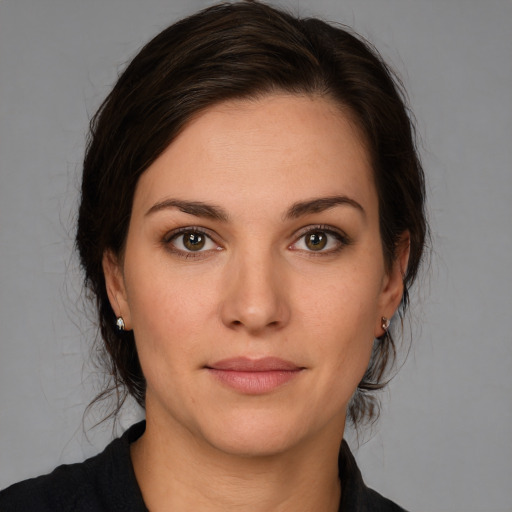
107,482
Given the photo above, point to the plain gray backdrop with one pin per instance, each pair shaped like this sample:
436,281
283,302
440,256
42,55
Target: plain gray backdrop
444,441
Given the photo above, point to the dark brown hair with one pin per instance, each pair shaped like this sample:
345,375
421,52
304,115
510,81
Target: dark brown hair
241,50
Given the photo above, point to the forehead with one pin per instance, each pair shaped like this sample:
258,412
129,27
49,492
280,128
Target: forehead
270,148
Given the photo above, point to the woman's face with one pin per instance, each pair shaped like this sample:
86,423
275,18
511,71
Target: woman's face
253,275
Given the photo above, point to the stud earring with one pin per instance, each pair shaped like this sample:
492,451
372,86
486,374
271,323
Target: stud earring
120,323
385,323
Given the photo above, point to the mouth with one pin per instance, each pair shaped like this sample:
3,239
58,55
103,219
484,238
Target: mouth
254,376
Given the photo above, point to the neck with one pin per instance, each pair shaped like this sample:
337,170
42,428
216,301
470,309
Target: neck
176,472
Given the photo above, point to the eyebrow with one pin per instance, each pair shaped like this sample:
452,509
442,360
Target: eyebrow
298,209
197,208
321,204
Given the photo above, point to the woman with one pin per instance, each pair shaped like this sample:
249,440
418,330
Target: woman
251,218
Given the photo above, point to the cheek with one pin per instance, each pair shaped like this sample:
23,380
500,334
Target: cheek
345,302
167,344
340,317
169,311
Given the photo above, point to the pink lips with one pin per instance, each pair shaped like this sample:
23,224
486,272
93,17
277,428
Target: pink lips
254,376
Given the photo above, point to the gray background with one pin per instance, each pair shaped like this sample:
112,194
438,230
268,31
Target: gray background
444,442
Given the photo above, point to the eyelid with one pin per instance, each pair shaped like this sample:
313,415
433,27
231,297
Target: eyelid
175,233
342,238
320,227
337,233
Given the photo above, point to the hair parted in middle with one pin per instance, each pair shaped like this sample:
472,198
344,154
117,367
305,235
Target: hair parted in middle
230,51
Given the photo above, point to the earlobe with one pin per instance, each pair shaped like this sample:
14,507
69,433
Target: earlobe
116,290
394,283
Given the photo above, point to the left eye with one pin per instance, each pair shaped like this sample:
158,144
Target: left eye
319,240
192,241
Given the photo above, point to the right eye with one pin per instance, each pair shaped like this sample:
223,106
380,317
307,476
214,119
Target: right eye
191,241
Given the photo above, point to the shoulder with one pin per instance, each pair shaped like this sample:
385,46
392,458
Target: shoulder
377,503
63,489
355,495
104,482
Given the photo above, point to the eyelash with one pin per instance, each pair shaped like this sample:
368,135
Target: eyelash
341,238
175,235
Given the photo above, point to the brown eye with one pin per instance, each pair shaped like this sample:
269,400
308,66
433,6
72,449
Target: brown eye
191,242
316,241
194,241
321,240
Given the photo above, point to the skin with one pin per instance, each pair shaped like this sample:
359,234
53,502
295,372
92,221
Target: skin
255,289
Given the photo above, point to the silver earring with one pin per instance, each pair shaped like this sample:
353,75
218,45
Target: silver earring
384,323
120,323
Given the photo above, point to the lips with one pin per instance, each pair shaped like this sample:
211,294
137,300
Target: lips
244,364
254,376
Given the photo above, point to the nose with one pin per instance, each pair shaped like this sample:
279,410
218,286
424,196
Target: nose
255,298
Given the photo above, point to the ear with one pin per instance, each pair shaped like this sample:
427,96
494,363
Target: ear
116,290
393,283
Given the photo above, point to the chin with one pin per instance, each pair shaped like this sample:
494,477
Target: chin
259,435
251,445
